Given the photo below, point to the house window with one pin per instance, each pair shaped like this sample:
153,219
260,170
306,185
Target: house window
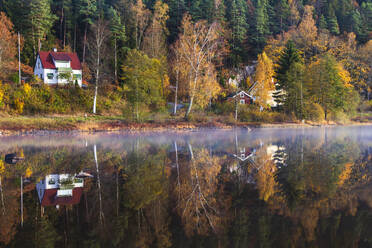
50,75
241,94
242,101
77,76
52,181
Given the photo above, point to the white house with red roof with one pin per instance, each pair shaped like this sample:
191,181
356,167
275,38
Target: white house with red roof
58,67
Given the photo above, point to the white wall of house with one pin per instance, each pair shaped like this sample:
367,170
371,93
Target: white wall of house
79,78
51,80
43,74
38,70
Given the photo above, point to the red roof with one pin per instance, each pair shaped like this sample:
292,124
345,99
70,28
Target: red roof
50,197
47,59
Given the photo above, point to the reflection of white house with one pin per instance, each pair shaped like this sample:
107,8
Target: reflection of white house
277,154
58,67
60,189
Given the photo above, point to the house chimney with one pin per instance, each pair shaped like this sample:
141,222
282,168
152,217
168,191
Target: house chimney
55,50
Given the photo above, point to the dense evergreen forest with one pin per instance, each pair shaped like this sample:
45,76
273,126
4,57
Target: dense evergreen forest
153,52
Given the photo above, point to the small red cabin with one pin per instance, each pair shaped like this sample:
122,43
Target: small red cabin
242,97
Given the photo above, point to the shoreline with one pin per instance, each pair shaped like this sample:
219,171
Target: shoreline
49,125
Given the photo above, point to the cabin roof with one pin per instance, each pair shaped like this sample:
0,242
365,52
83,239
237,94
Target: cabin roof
233,95
46,59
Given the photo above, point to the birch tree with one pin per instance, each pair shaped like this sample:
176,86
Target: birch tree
100,30
197,45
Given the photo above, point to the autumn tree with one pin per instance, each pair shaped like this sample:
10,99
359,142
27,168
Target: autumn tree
154,43
142,82
141,18
197,46
8,46
263,78
329,84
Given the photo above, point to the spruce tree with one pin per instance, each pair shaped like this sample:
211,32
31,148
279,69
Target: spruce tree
41,19
238,26
287,66
283,12
322,23
176,11
356,22
88,11
261,28
333,24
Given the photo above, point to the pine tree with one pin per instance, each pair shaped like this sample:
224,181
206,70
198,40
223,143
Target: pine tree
322,23
261,28
289,75
366,12
333,24
176,11
283,12
356,22
118,35
88,11
41,19
238,26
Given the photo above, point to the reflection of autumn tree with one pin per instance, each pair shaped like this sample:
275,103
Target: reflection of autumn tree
266,176
198,206
310,179
146,196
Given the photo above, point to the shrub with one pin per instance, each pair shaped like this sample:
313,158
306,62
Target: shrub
314,112
19,104
339,116
225,107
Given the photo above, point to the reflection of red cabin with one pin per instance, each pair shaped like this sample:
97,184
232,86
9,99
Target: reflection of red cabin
242,98
244,154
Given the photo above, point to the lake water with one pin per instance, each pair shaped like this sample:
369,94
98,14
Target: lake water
264,188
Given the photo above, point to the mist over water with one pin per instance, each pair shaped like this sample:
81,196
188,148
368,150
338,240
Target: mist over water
300,187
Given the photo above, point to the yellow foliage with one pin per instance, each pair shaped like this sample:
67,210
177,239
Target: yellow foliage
2,167
19,104
263,76
345,174
28,172
344,75
1,93
27,89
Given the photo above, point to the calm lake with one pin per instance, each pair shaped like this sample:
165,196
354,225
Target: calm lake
264,188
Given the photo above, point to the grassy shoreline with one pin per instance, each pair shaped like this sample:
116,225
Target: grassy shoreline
33,124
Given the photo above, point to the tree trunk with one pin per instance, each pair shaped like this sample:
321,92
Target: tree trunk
21,201
116,62
2,197
176,93
61,25
75,37
192,97
85,41
64,33
97,79
99,186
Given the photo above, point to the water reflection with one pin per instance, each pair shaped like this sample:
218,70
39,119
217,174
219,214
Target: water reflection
266,188
59,189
